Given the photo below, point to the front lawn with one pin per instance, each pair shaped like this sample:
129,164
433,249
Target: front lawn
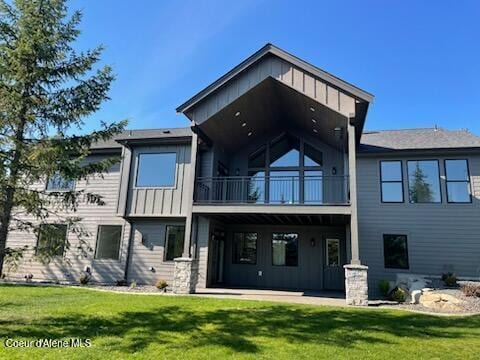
123,325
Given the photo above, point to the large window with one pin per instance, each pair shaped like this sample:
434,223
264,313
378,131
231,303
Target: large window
175,237
156,170
57,183
423,181
51,239
391,181
458,181
245,248
395,251
285,249
108,242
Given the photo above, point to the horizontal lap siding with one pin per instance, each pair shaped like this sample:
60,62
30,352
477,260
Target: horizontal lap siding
147,263
203,236
92,215
168,201
440,236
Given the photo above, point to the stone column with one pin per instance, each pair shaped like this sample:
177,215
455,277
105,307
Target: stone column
356,284
185,275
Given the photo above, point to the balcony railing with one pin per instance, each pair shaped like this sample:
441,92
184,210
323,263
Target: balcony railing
314,190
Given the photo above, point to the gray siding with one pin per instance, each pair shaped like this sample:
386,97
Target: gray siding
282,71
73,263
441,236
147,263
168,201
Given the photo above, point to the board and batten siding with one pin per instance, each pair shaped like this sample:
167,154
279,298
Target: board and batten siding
71,265
147,257
160,201
441,236
283,71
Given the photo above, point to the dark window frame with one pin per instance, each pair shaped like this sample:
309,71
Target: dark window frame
406,251
64,243
458,181
391,182
165,243
137,170
439,182
73,182
98,241
233,247
298,244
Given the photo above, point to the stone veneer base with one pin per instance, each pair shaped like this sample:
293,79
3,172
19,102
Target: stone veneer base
356,284
185,276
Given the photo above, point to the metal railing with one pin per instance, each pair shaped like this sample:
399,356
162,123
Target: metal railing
315,190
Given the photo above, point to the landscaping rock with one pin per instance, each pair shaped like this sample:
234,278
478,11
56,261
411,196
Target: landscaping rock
441,301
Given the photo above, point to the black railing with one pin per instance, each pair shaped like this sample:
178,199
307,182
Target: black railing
315,190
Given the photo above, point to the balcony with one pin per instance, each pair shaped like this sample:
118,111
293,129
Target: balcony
272,190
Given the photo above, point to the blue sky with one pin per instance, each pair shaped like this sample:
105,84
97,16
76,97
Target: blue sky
421,59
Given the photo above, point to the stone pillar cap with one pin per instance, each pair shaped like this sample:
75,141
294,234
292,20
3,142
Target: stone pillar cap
355,267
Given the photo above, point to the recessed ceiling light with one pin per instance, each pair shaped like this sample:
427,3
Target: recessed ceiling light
249,133
315,131
244,124
312,109
314,121
237,114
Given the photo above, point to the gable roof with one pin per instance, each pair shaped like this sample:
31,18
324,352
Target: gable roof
417,139
272,49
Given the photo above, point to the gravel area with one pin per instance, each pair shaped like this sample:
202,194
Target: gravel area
127,289
470,305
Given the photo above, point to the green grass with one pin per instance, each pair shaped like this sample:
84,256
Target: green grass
124,325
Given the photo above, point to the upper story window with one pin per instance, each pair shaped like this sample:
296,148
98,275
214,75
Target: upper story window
458,181
423,181
391,181
156,170
285,152
57,183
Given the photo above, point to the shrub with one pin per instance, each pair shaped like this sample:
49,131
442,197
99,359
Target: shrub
161,284
384,286
398,295
450,279
133,284
84,279
122,282
471,289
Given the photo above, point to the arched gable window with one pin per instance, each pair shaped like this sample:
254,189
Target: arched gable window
286,170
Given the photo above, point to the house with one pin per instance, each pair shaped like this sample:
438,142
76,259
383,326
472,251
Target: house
275,185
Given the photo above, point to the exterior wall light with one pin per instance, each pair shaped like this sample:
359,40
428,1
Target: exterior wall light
312,242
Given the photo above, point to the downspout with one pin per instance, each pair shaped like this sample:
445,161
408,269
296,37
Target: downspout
130,235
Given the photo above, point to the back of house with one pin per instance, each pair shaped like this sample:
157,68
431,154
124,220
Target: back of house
275,185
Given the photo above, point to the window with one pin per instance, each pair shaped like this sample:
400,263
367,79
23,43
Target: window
284,152
156,170
256,187
245,248
313,186
258,158
333,252
391,181
175,237
52,239
458,181
395,251
285,249
108,242
423,181
284,187
57,183
312,156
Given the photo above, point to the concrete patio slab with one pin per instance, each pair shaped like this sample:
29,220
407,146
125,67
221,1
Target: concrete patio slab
333,298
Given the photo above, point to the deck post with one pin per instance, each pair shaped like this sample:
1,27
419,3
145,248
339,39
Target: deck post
356,284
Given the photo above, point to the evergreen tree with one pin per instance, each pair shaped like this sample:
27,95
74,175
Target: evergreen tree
420,190
46,91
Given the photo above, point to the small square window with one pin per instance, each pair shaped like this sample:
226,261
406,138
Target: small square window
51,239
395,251
108,242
